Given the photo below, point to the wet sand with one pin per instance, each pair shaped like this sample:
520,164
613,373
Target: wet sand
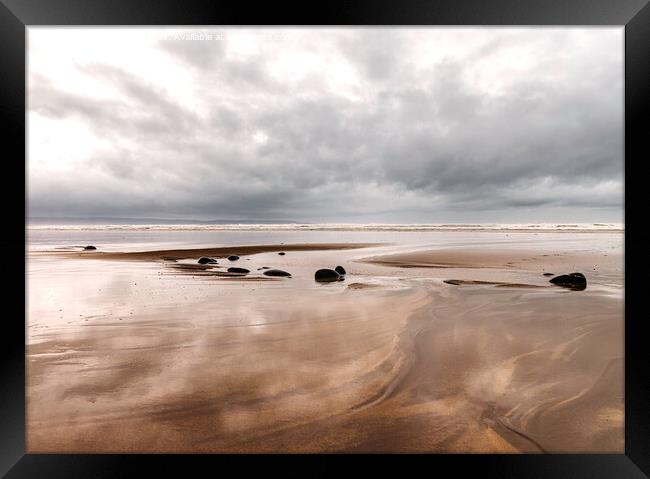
222,252
158,356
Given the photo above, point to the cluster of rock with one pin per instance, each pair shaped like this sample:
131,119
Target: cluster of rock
330,275
243,271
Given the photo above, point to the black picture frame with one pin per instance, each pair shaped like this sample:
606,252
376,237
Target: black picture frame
633,15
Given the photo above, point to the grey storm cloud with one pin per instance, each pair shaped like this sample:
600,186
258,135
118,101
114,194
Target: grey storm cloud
416,141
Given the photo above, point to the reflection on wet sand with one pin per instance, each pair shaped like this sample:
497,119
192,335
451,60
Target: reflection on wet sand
213,363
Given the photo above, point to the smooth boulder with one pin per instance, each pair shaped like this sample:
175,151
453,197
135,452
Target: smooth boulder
573,280
238,270
206,260
340,270
276,272
282,253
326,276
89,248
233,257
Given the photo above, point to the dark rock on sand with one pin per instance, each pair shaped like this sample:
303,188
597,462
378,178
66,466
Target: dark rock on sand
89,248
263,267
233,257
238,270
326,275
205,260
282,253
276,272
575,281
340,270
549,274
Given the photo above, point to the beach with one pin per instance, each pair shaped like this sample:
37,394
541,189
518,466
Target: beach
445,340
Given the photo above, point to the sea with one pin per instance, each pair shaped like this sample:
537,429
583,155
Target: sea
43,236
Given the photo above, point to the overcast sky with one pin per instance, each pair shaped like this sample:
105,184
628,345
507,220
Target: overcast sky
327,125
